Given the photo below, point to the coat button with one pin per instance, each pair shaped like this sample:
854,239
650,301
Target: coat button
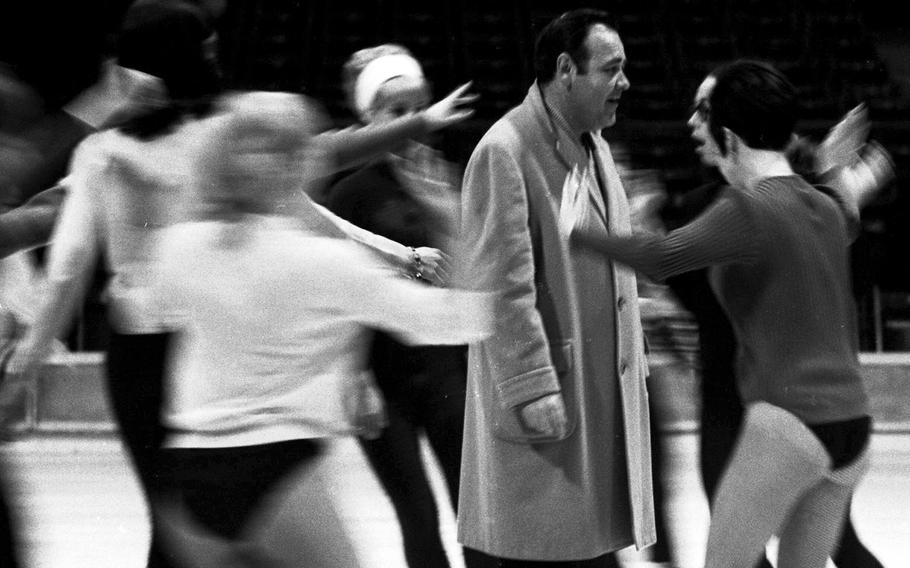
620,303
623,367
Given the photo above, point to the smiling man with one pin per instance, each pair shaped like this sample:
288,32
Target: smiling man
555,467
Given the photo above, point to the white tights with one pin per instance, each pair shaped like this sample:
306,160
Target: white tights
779,481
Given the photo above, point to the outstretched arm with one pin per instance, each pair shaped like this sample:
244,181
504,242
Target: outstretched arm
72,258
723,234
853,167
424,263
31,224
864,178
354,146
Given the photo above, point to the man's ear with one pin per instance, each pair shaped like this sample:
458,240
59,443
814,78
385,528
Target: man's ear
565,69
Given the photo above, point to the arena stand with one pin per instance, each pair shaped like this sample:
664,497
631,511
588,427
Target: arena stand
834,51
830,49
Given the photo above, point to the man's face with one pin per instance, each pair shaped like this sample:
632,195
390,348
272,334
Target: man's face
595,94
706,147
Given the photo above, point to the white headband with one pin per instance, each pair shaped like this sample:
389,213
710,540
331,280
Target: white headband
378,72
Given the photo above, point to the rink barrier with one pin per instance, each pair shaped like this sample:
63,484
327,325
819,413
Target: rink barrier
70,396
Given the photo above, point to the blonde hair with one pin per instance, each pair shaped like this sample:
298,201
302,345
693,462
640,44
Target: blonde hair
255,155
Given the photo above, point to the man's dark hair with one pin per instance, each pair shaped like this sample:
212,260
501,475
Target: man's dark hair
567,33
756,101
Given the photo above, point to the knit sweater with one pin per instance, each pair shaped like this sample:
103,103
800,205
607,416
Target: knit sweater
124,192
273,338
778,258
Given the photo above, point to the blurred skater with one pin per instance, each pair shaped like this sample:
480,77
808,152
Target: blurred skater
127,184
273,321
778,246
409,195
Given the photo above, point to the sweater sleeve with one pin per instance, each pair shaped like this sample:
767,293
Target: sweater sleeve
724,234
388,248
77,234
357,145
354,284
847,204
31,224
421,314
72,254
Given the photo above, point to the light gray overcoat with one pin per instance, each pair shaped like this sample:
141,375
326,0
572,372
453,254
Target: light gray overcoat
567,321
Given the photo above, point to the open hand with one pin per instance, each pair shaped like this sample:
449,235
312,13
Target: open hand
841,146
450,110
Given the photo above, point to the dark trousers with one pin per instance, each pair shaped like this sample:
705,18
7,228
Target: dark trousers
483,560
424,390
660,550
135,384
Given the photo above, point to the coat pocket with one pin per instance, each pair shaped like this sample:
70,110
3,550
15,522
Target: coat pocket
507,423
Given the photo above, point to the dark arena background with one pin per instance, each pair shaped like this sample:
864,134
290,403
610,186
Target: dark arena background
839,53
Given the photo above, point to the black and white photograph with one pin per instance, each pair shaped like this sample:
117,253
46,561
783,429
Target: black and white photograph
454,284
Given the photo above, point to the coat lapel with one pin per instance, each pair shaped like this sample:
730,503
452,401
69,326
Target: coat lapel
572,154
617,207
569,151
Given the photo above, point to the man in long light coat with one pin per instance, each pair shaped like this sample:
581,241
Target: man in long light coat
556,455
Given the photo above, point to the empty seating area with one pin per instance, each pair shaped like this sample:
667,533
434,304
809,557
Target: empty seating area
824,46
827,47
